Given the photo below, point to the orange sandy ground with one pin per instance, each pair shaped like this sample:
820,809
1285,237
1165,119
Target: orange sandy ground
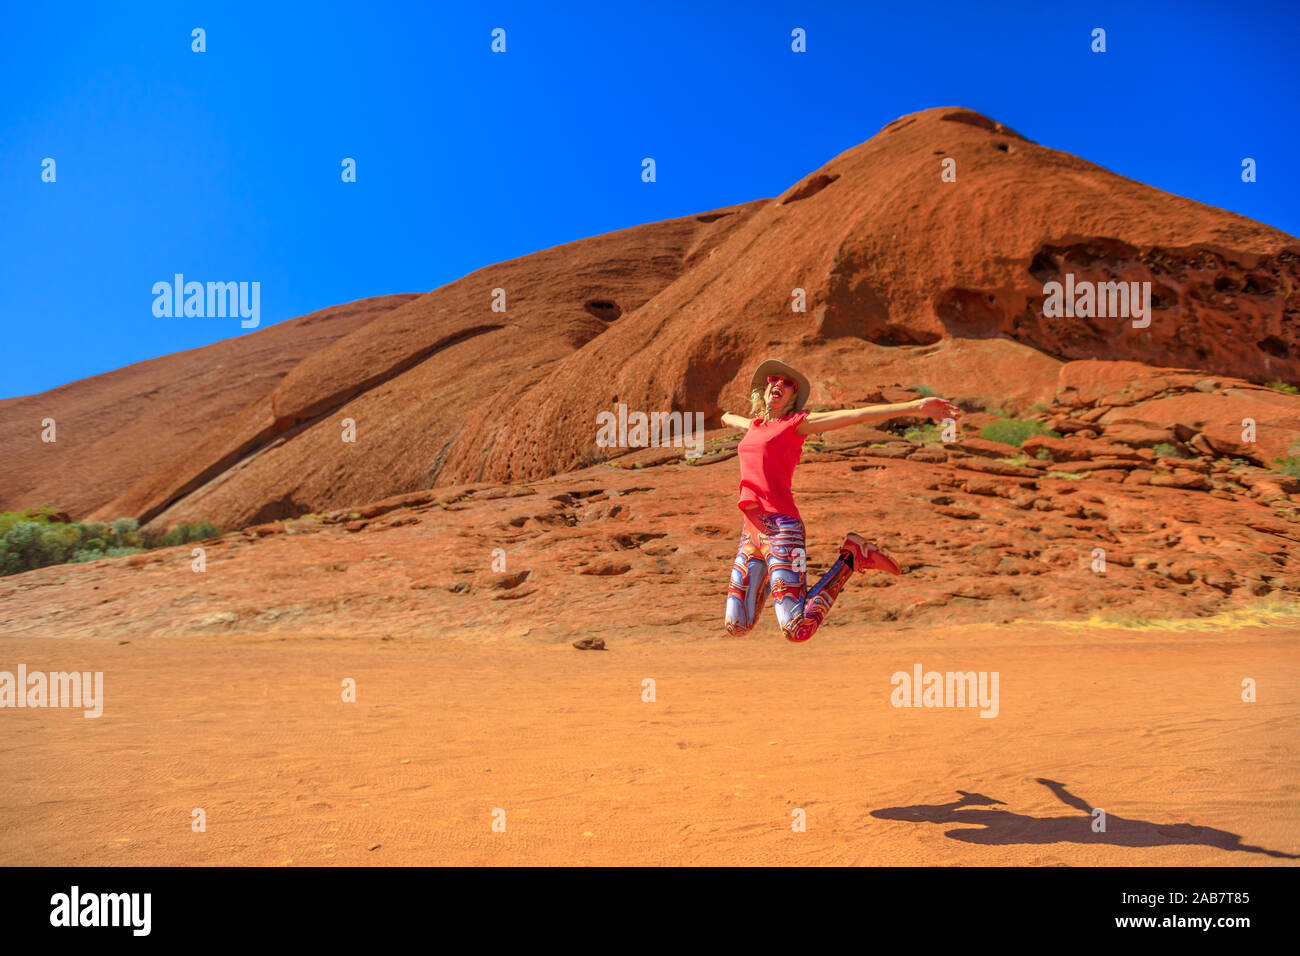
1147,725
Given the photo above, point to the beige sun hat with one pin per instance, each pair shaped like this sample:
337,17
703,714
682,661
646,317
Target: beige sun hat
777,367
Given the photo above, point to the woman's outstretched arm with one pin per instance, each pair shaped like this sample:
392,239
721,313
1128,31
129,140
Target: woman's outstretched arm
735,421
935,408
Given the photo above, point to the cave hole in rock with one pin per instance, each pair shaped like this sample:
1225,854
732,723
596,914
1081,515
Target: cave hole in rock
813,186
1258,285
603,309
1274,346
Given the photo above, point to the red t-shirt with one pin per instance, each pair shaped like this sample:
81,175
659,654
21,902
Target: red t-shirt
768,453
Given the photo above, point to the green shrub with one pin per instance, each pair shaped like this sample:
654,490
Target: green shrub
1166,450
1043,455
30,539
94,531
36,544
187,533
204,530
58,542
925,391
126,533
923,434
1289,466
1013,431
22,546
1285,387
94,555
36,515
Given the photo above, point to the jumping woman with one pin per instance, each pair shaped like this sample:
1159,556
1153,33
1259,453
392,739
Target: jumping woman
771,551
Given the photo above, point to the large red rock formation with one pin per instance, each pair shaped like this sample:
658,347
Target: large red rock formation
908,280
115,429
642,547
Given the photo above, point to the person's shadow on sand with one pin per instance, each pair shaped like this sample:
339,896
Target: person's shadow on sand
1002,827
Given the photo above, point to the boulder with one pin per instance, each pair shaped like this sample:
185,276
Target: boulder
1075,448
983,448
1188,481
1137,434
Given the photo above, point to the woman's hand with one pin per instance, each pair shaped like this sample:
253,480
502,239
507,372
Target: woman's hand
938,409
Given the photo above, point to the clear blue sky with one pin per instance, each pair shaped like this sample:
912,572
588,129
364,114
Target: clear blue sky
225,165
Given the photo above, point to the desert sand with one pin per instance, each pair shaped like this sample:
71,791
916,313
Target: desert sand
1147,725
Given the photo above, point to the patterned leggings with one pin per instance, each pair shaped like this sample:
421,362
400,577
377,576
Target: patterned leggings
779,561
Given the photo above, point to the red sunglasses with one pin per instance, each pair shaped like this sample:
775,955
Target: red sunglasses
779,380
